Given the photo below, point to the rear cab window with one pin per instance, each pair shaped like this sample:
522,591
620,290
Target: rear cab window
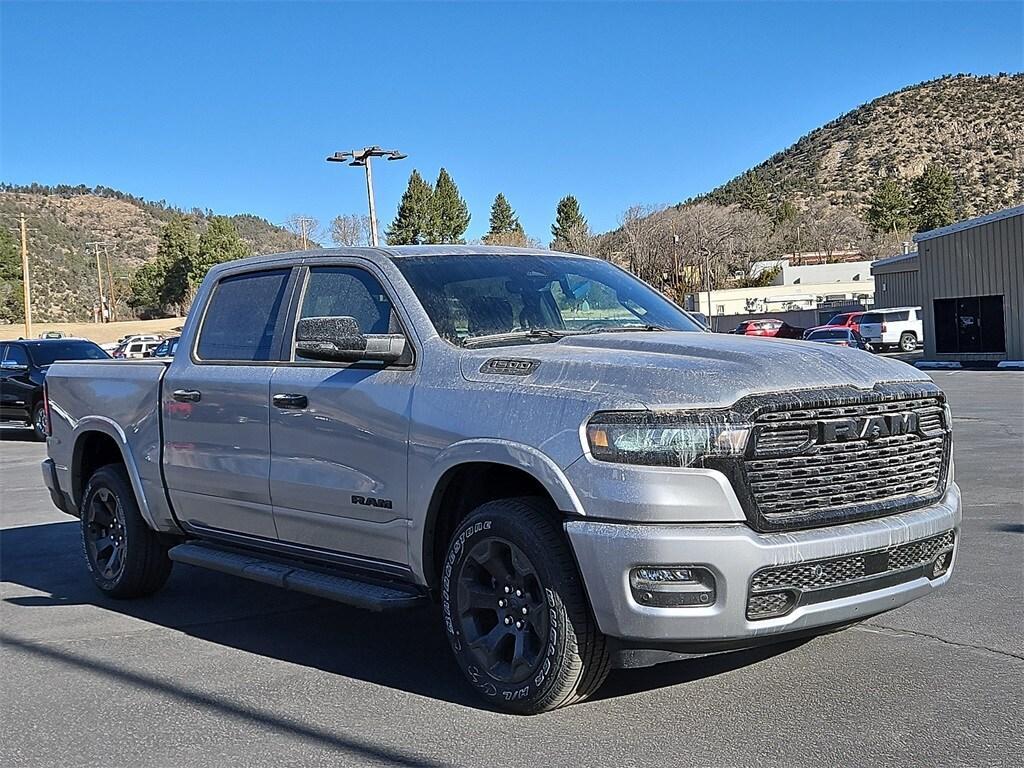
244,317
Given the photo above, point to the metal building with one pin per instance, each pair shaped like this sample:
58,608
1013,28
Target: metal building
897,282
971,288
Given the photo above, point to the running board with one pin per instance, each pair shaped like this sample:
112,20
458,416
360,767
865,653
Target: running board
361,594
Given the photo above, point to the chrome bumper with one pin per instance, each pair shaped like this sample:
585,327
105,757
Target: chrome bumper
606,552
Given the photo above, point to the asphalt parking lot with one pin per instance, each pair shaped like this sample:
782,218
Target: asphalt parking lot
218,671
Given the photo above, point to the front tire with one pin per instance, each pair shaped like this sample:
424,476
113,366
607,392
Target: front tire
126,558
515,611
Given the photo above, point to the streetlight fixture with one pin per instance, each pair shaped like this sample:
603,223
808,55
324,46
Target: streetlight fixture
363,157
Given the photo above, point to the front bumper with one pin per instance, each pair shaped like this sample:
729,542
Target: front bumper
606,552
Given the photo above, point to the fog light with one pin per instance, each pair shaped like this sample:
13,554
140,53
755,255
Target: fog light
681,586
941,564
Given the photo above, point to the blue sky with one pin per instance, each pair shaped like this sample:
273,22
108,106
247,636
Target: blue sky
233,106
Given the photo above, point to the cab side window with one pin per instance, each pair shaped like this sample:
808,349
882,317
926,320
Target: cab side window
351,292
242,318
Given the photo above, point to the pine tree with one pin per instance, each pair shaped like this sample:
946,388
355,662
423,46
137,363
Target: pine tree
175,259
12,302
505,228
451,215
570,225
414,222
932,198
889,208
753,193
219,243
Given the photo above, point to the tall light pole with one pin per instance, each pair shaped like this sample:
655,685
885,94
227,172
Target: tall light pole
363,157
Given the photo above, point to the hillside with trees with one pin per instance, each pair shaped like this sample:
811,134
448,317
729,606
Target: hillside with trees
65,221
969,124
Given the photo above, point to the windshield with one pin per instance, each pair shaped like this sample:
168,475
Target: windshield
473,299
52,351
838,320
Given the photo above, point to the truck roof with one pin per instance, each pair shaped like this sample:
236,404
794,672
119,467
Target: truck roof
400,251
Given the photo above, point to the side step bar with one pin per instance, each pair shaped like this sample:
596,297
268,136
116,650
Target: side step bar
361,594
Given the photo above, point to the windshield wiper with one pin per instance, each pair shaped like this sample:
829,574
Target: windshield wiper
625,328
498,338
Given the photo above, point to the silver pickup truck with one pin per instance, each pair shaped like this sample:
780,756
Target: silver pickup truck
579,473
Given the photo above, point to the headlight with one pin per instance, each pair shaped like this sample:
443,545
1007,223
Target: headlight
665,440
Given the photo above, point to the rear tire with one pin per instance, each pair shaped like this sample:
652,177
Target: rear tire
908,342
126,558
515,610
39,422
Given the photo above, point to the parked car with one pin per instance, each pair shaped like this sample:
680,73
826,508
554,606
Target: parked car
53,335
768,327
112,346
167,347
849,320
392,426
843,337
23,366
890,328
135,349
701,318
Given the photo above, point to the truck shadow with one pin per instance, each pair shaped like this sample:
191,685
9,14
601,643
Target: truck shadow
406,651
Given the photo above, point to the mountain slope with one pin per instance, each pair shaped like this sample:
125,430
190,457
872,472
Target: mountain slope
63,220
971,125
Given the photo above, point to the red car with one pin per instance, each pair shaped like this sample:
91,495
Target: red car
768,327
849,320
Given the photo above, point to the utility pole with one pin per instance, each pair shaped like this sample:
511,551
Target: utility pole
99,274
26,288
110,284
363,157
305,228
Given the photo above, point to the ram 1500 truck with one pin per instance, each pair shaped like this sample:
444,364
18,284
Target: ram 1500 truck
580,474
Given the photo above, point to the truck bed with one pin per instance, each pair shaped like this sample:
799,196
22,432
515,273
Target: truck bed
120,398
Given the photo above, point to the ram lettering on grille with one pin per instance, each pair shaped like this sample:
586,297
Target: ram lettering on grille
883,454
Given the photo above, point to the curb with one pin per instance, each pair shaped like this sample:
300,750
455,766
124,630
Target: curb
981,365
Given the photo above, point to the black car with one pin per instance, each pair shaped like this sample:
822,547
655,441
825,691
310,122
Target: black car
23,365
843,337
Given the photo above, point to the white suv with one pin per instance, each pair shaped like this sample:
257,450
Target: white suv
896,327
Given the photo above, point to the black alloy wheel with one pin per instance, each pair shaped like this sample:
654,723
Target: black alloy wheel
504,616
105,534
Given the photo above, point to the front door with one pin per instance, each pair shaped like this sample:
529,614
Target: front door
340,432
16,387
216,409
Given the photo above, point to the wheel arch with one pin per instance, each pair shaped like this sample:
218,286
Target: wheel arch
470,474
99,442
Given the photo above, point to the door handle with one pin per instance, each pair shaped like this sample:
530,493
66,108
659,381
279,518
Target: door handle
286,400
186,395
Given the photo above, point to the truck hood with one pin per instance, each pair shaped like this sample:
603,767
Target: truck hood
667,369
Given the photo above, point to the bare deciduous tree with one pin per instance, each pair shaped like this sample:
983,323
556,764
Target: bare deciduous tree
304,227
350,229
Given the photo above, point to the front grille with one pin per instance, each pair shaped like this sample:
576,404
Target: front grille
777,590
796,473
820,574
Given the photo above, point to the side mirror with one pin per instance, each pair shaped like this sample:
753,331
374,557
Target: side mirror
339,339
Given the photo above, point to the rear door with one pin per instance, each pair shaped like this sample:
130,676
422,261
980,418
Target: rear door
340,432
216,408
